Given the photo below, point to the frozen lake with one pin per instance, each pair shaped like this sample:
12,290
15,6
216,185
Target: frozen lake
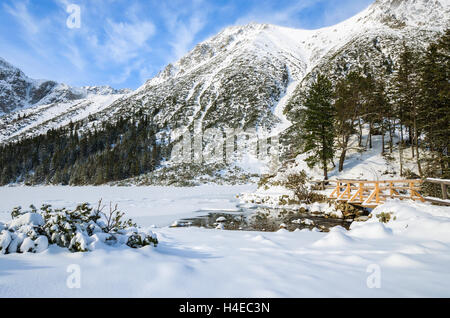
147,206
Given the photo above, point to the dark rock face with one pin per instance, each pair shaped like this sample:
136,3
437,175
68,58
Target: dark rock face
14,87
19,91
38,93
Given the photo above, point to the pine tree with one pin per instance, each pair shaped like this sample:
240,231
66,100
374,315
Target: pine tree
348,106
318,128
434,113
382,110
406,98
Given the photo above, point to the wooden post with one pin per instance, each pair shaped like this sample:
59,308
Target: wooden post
361,189
359,193
377,191
347,191
373,194
444,191
444,184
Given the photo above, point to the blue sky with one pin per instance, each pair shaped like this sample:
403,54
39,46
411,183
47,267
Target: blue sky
123,43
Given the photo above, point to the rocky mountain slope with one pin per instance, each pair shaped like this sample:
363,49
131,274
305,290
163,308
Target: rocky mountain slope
30,107
243,77
246,76
18,91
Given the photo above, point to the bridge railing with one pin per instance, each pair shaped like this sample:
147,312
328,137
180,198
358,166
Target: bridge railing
444,186
373,193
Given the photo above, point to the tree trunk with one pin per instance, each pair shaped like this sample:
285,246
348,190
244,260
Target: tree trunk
391,138
411,140
360,133
325,169
343,153
324,158
370,135
416,141
442,164
400,147
342,159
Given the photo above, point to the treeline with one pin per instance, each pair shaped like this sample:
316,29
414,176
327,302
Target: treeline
114,151
412,103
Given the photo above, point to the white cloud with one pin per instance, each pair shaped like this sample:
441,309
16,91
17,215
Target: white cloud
20,12
184,36
73,54
184,22
126,41
267,12
343,11
32,28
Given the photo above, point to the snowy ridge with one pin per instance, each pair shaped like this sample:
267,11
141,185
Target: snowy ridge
38,119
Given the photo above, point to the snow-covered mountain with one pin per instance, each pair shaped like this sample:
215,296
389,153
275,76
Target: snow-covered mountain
29,107
375,37
18,91
239,76
245,76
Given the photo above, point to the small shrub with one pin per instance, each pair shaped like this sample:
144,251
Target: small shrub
78,230
299,184
264,180
409,174
385,217
388,157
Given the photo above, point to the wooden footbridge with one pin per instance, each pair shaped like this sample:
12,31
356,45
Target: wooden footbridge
370,194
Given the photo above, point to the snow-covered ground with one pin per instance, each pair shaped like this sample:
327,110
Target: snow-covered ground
148,206
409,256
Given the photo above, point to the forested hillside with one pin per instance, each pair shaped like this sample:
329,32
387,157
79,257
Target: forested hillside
114,151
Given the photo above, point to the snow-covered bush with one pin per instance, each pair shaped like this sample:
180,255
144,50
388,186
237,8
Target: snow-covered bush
300,184
80,230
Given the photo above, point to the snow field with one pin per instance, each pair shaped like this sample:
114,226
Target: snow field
411,254
147,206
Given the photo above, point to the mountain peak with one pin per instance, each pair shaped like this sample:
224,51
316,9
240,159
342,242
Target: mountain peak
394,4
402,13
18,91
4,63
